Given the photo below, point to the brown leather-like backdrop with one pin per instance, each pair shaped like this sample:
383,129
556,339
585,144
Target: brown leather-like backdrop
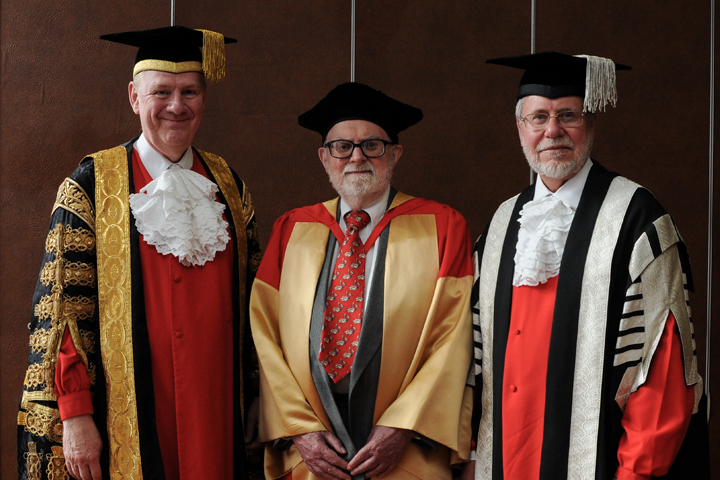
64,95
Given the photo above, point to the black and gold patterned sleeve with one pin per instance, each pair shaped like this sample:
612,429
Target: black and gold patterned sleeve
65,298
253,240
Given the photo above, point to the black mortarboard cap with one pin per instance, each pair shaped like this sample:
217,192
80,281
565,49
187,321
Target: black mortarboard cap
555,75
355,101
176,49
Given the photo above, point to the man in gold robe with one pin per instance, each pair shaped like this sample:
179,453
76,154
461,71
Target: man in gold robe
363,328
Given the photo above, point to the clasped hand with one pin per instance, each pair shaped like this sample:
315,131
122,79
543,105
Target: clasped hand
321,452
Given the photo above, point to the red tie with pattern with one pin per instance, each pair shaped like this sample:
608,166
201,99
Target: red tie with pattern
344,306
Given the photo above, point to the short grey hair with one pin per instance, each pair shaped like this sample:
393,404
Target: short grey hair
519,107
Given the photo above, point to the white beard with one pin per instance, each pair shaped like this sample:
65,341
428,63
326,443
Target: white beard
558,169
361,191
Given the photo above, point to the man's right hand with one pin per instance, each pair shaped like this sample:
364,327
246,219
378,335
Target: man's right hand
321,453
82,446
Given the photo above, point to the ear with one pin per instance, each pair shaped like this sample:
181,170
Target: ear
133,95
321,155
518,124
396,153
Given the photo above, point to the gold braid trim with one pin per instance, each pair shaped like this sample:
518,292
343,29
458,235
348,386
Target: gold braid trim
73,308
36,374
73,198
73,273
42,421
226,181
56,469
115,311
34,464
76,239
39,340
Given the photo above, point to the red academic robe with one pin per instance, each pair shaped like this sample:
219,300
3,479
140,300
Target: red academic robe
656,416
189,314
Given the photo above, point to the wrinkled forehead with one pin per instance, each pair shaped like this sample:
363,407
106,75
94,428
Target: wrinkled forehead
356,130
534,103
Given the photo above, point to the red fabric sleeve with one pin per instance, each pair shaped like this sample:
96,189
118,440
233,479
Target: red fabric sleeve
454,244
72,383
657,415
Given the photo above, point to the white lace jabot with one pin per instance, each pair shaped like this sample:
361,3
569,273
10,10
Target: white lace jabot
178,214
544,226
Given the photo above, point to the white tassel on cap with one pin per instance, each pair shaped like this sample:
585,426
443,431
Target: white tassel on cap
600,88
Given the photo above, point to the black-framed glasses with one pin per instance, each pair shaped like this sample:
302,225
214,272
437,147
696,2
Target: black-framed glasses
539,121
371,148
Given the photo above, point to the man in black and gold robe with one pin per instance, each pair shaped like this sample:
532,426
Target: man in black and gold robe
151,251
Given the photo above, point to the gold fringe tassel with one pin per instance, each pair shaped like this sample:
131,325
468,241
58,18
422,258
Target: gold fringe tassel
213,54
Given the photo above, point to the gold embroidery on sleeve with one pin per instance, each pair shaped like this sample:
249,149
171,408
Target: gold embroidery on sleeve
43,421
39,340
73,308
73,198
56,469
35,375
34,466
76,239
72,273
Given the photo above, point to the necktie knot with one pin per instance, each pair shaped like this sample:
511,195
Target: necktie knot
357,219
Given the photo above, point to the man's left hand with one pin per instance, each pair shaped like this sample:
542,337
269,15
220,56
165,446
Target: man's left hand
382,452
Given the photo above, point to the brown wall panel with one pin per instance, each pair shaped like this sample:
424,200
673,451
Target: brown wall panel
63,95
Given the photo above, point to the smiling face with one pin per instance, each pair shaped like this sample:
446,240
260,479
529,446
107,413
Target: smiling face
170,107
555,153
359,180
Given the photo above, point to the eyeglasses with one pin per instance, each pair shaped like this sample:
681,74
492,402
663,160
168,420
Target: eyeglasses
539,121
371,148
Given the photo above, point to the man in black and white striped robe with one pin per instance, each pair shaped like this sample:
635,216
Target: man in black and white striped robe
584,348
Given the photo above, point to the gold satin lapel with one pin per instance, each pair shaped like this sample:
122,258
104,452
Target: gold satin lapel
225,180
304,257
112,224
410,276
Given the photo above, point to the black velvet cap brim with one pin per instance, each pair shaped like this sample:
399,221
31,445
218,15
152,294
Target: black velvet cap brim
355,101
550,74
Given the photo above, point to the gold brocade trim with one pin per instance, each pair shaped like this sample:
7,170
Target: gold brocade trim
75,239
39,340
87,340
37,396
248,208
167,66
71,308
43,422
115,311
35,375
72,273
229,188
72,197
34,464
56,469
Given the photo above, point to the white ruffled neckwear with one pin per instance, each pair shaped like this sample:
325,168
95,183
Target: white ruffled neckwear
178,214
544,226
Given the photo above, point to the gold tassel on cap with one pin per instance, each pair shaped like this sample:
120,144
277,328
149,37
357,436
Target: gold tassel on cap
213,55
600,87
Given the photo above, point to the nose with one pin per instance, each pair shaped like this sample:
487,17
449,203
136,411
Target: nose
358,156
554,129
176,103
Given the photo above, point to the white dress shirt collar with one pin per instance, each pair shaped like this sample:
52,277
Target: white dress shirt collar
571,191
376,212
155,162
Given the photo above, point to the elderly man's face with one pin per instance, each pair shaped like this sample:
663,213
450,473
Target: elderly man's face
555,153
359,180
170,107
